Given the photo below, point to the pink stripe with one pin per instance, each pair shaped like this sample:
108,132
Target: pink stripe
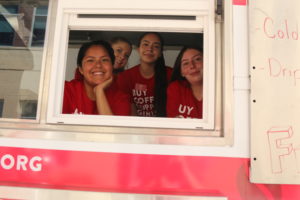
136,173
239,2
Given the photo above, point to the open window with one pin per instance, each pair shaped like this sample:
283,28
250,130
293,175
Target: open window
179,27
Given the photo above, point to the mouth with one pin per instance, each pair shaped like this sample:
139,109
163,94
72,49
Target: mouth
119,62
148,54
196,73
97,73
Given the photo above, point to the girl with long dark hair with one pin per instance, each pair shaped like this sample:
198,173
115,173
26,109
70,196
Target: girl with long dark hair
185,92
147,82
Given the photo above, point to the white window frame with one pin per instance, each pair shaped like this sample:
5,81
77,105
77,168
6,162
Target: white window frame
67,19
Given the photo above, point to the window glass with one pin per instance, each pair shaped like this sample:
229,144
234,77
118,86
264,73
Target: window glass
22,33
39,26
8,12
28,109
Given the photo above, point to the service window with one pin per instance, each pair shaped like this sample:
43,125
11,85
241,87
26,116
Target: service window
180,24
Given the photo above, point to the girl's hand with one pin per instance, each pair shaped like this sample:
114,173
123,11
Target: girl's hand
103,107
102,86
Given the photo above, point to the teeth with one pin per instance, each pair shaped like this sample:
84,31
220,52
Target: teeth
98,73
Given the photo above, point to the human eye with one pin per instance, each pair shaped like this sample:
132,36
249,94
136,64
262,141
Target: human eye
145,44
105,60
119,50
127,56
184,63
157,46
198,59
90,60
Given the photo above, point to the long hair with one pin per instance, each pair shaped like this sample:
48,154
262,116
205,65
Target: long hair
176,74
85,47
160,79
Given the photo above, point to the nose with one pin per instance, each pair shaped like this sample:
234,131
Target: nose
122,56
98,63
193,64
150,47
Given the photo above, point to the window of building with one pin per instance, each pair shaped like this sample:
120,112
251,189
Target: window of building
39,27
8,16
28,109
22,34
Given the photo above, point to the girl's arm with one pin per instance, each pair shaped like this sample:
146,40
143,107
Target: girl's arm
103,106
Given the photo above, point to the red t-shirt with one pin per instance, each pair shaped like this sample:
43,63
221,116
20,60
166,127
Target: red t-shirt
181,101
76,100
140,89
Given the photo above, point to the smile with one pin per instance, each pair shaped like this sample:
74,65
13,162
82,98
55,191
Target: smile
97,73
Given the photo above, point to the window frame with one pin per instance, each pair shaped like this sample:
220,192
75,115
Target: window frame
70,20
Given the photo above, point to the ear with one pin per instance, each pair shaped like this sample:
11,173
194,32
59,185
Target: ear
80,70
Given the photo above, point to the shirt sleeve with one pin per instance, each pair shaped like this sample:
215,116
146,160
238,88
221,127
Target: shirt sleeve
67,101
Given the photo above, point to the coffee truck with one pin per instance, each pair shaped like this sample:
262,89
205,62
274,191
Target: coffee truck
245,146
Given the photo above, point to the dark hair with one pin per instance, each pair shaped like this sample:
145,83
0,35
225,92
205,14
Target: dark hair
120,39
84,47
160,79
176,74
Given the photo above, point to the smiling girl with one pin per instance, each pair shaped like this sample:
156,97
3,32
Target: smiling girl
94,90
185,92
122,50
146,83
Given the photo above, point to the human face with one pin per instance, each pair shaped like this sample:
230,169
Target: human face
122,51
150,48
192,66
96,66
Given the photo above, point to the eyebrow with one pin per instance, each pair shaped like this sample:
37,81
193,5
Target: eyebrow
96,56
149,42
199,54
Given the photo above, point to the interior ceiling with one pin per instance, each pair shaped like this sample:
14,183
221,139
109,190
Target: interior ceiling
170,39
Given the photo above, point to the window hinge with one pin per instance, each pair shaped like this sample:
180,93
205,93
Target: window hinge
219,11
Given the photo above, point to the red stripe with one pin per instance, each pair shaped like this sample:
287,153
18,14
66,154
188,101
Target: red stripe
137,173
239,2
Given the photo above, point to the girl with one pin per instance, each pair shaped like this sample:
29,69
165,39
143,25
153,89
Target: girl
184,93
146,83
94,91
122,50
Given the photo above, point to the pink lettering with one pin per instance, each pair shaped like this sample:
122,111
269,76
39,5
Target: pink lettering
282,32
277,147
276,69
